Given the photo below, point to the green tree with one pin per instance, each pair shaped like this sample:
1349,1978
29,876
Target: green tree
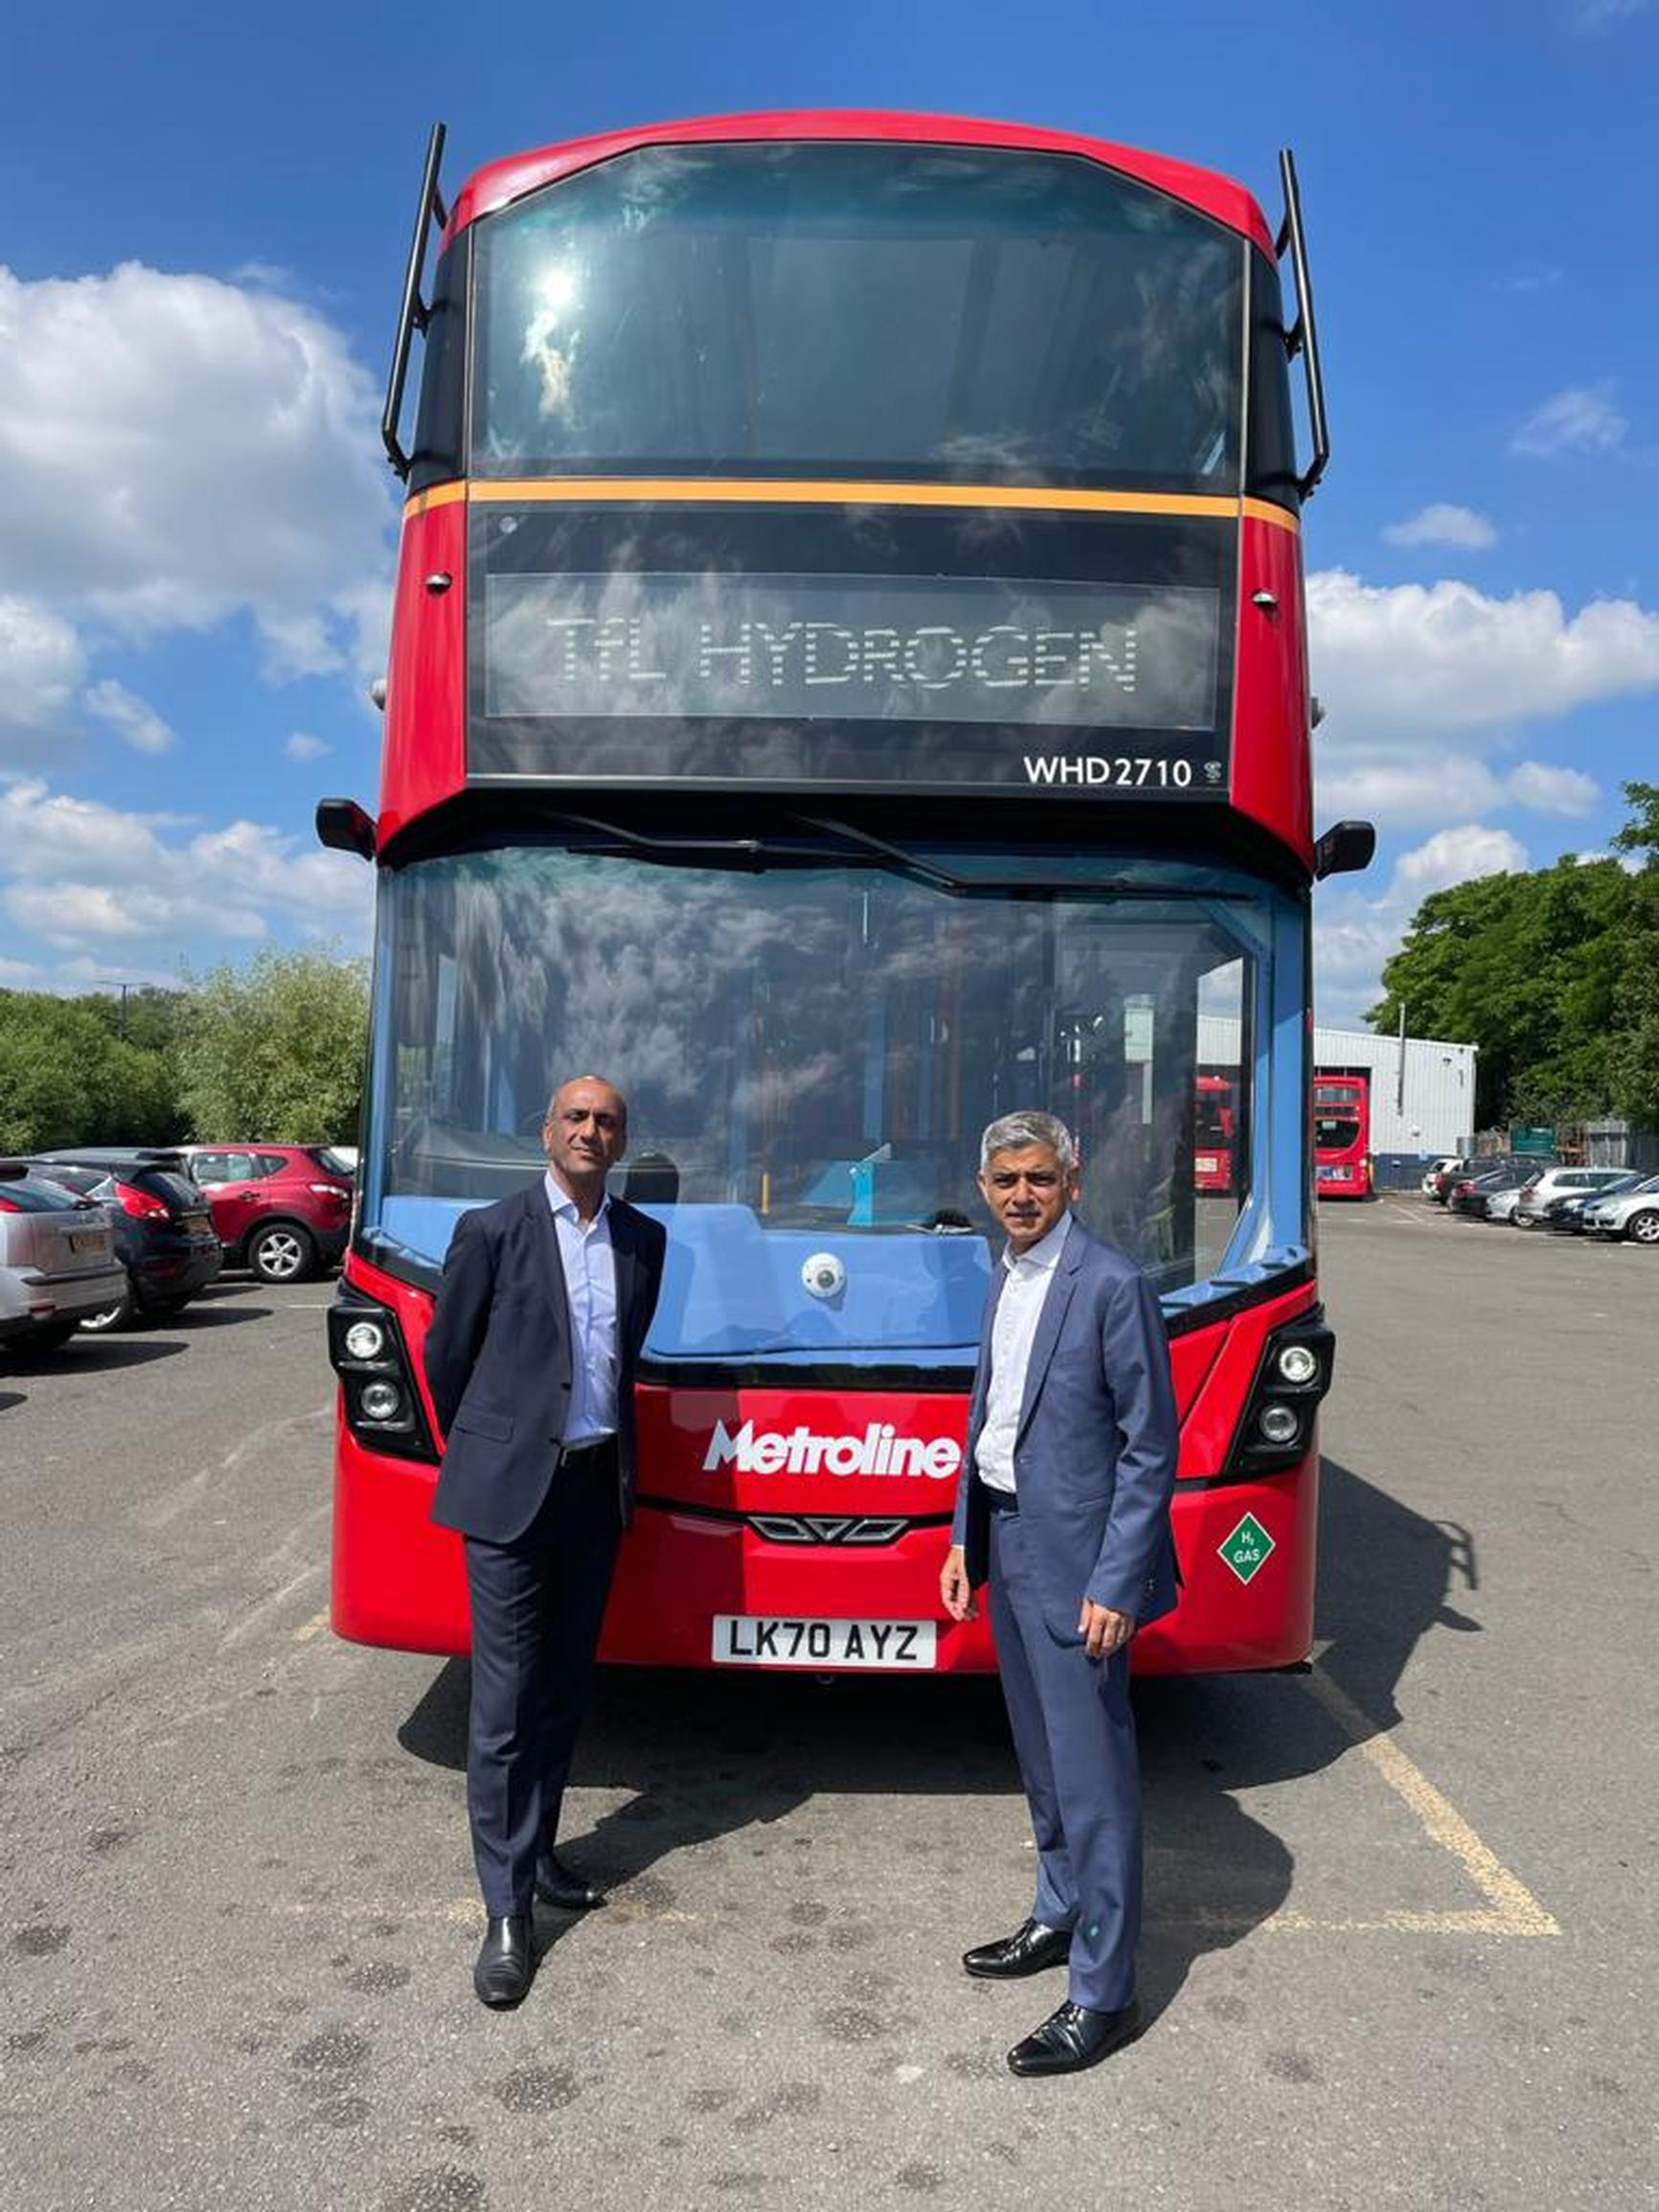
1636,996
67,1077
274,1049
1554,973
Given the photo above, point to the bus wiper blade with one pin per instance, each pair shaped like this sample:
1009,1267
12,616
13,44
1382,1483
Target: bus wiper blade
678,848
923,871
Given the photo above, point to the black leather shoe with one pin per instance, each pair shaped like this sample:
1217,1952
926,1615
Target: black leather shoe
1074,2038
562,1887
506,1961
1030,1949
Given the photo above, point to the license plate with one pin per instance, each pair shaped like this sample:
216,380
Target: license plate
772,1640
89,1240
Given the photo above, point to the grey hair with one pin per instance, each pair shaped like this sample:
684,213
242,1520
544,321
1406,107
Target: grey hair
1016,1133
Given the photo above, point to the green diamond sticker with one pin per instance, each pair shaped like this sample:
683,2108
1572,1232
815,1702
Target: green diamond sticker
1246,1549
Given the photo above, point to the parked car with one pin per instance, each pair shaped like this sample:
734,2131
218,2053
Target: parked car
1501,1204
1566,1214
60,1249
1437,1167
164,1232
1473,1195
1561,1183
283,1210
1632,1214
1465,1171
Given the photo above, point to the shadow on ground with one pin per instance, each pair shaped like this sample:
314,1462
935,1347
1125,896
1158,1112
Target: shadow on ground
709,1754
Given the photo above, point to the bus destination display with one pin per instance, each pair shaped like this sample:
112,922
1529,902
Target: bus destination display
1019,656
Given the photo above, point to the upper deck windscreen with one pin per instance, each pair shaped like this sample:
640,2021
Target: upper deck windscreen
864,309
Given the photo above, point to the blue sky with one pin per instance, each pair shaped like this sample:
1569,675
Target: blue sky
209,211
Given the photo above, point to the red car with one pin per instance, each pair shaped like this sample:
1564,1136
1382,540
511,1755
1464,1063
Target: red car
283,1210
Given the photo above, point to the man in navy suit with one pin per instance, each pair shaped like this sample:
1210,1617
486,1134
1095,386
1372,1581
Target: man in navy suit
544,1306
1064,1506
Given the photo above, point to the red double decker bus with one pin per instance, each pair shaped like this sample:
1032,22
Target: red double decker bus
1216,1132
1342,1132
847,681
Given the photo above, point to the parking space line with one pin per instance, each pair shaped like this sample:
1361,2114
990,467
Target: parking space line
252,1618
1511,1908
1415,1215
156,1513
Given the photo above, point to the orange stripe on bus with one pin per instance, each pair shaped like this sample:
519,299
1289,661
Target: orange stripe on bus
817,492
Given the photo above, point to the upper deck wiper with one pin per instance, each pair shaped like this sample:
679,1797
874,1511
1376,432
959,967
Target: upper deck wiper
1030,879
754,849
907,863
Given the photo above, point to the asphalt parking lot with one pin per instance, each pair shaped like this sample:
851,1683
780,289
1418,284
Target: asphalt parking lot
1401,1934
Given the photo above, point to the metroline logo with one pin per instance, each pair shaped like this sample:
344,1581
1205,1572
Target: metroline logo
879,1451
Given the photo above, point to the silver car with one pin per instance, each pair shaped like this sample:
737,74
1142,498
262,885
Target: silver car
1559,1183
57,1255
1632,1214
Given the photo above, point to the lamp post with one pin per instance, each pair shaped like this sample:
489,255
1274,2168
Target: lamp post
121,1018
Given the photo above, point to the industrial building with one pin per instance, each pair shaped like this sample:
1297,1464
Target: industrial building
1422,1089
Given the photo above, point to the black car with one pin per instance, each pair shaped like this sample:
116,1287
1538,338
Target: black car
164,1233
1567,1212
1470,1194
1477,1167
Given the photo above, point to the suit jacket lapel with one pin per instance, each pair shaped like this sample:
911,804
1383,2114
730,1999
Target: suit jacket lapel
982,1374
551,1263
625,1258
1050,1322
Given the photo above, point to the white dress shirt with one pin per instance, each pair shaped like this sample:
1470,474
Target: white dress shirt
589,1263
1030,1275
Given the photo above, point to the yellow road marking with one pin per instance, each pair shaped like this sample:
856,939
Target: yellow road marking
303,1633
1511,1908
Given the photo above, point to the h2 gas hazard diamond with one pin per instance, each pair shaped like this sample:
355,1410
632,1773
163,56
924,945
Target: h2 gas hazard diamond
1246,1549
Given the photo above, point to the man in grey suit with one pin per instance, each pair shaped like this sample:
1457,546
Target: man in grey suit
1064,1506
545,1303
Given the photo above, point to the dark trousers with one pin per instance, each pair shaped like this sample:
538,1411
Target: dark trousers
538,1607
1074,1733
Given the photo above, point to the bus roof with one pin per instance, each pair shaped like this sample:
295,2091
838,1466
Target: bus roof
501,182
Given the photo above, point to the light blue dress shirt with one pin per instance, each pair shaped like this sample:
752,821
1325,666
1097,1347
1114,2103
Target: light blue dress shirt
1012,1334
589,1263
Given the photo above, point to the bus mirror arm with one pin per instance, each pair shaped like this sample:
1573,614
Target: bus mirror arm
1342,849
344,827
414,314
1303,337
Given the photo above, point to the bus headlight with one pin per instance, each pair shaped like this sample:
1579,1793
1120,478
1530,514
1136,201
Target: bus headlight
1278,1425
381,1405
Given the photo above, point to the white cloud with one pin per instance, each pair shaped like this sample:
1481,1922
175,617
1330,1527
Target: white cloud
1542,277
86,877
1441,524
175,449
1593,16
1582,420
1355,931
128,715
41,666
303,746
1423,682
1456,857
1548,790
1409,789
